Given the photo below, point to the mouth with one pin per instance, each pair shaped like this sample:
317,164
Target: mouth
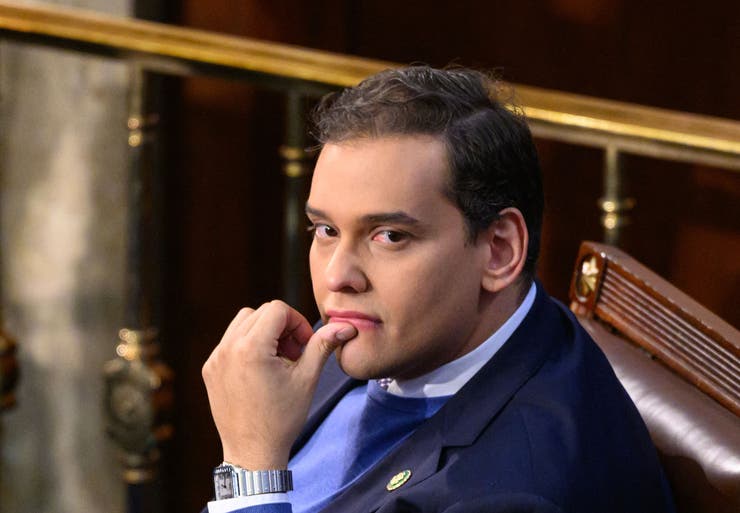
359,320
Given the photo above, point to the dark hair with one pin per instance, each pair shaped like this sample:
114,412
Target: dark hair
492,157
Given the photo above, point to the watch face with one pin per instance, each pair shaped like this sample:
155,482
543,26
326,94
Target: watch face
223,482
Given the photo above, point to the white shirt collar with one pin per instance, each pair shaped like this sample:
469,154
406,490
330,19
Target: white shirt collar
450,377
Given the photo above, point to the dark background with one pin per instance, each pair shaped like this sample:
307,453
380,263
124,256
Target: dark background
223,181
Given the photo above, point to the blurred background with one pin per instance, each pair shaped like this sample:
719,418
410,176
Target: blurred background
65,198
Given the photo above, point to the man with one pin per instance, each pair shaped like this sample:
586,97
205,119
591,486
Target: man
443,377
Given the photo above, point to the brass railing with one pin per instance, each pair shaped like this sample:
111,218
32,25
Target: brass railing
554,115
615,127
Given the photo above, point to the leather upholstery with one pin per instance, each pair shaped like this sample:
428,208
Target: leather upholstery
698,439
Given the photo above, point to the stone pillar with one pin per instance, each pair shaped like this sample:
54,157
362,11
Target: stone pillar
63,201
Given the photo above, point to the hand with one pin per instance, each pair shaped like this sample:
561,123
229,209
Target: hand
261,378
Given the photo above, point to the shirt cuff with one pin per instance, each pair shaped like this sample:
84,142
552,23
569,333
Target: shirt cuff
262,503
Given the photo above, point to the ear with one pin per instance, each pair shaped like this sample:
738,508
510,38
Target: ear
506,242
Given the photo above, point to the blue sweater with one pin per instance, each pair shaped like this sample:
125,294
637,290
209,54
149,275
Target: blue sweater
364,426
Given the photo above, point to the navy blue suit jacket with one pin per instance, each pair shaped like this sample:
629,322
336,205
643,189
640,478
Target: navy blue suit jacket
544,426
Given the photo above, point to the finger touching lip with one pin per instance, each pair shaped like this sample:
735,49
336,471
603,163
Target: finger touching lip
341,332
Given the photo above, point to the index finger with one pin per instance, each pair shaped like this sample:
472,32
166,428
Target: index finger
279,322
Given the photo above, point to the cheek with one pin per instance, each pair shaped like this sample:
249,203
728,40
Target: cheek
316,269
421,292
446,285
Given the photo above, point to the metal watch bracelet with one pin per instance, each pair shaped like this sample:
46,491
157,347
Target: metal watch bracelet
267,481
233,481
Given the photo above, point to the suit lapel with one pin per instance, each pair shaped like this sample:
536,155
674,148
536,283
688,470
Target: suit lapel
511,367
419,454
478,402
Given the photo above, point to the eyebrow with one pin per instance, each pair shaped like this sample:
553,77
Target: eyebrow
396,217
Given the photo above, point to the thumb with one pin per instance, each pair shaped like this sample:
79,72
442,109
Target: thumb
322,344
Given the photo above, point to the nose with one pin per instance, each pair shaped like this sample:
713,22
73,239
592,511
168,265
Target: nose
344,270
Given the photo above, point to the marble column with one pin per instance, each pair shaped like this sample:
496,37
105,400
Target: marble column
63,194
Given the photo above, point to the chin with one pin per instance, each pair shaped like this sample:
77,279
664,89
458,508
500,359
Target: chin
357,366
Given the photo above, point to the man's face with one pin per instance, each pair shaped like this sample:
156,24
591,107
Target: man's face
391,256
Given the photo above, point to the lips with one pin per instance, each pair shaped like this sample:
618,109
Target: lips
357,319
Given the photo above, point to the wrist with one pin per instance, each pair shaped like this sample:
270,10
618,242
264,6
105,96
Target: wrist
256,460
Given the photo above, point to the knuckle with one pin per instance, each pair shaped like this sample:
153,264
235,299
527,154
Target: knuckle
278,304
211,365
277,309
260,309
242,350
206,370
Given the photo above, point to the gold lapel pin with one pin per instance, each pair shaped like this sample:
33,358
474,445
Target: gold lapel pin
398,480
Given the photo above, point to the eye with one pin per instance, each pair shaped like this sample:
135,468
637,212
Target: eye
322,231
390,236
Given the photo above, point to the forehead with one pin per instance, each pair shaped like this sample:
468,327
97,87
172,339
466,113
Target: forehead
399,173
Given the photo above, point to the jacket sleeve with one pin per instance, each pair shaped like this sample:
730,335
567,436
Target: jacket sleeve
225,507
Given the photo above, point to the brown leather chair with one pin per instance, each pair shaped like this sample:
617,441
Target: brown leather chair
679,362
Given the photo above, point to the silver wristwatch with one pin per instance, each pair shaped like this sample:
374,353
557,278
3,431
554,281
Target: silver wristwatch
231,481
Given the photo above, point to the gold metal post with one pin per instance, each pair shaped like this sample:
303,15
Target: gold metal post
138,403
297,170
613,206
138,385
